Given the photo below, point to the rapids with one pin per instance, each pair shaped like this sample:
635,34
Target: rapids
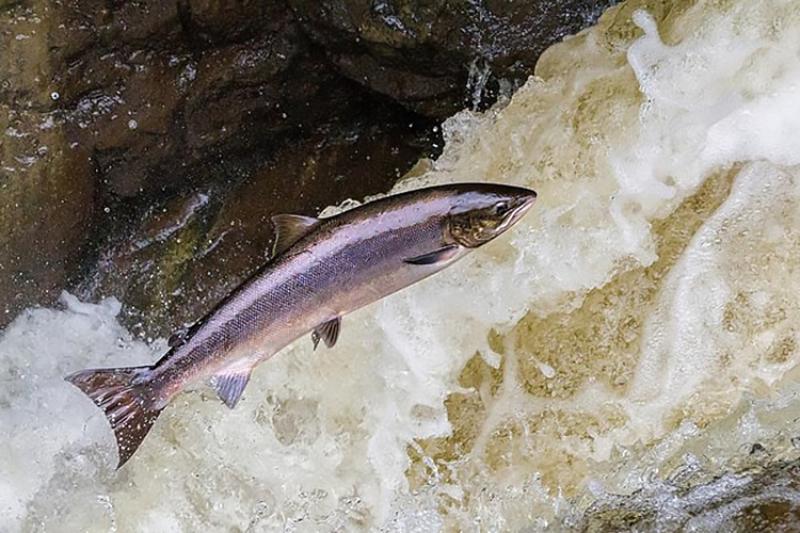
636,333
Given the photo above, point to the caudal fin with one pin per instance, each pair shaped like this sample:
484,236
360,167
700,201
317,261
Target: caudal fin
126,401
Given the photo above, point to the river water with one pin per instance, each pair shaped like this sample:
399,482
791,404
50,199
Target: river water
637,334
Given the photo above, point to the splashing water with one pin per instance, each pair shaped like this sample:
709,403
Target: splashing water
640,323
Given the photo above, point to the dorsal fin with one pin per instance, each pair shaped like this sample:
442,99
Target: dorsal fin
289,229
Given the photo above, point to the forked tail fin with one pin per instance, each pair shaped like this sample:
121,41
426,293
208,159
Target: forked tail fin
127,401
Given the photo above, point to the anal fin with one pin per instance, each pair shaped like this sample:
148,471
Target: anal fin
230,384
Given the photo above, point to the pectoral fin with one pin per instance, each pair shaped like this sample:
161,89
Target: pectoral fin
437,256
289,229
328,332
231,384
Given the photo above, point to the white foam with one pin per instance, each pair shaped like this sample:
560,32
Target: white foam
320,440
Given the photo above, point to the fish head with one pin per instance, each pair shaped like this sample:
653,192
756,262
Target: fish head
482,212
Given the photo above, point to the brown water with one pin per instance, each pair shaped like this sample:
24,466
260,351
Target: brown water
625,358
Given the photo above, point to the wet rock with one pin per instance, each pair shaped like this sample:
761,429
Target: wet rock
151,84
46,182
438,57
107,108
46,206
174,262
762,498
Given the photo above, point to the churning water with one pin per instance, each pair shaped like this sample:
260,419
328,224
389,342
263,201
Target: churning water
639,329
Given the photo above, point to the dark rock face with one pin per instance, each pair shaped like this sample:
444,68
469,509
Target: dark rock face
439,56
144,144
109,108
155,83
47,186
762,497
188,251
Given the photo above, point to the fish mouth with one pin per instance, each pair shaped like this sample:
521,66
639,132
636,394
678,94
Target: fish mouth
523,204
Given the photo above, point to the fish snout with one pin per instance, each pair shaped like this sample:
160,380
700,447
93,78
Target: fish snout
523,201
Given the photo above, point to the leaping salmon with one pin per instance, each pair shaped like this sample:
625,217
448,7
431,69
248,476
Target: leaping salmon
321,269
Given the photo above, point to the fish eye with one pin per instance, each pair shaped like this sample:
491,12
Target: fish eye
501,208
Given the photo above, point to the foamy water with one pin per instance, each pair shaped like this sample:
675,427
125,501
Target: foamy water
643,317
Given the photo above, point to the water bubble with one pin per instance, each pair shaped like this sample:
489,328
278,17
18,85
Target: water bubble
54,96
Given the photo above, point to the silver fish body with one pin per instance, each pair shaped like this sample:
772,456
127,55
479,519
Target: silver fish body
323,269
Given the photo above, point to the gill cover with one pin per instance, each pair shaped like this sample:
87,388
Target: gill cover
477,226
